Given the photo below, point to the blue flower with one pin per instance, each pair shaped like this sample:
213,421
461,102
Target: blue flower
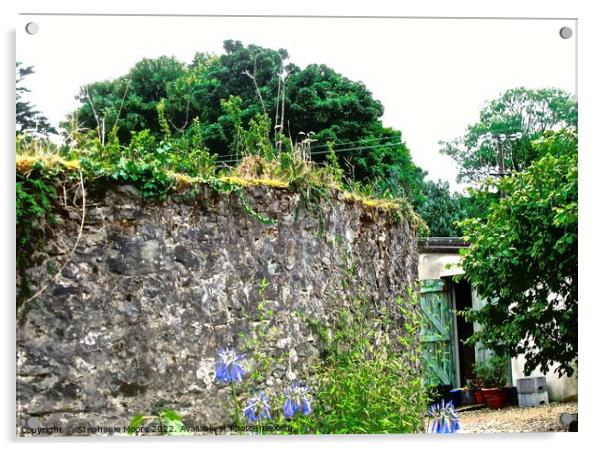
444,418
227,368
297,400
258,408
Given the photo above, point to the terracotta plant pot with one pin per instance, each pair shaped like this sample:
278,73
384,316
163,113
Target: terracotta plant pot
479,397
494,397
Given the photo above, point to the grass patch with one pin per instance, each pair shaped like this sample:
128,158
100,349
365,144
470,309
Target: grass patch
372,201
27,163
240,181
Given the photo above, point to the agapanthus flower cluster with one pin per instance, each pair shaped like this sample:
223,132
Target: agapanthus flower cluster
297,400
258,408
228,369
227,366
444,418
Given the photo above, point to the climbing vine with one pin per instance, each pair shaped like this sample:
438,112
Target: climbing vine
35,197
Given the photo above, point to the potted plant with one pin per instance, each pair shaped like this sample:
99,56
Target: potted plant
493,374
476,386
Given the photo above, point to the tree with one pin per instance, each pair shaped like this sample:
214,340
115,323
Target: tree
317,99
129,103
331,105
441,209
530,112
29,120
383,160
523,259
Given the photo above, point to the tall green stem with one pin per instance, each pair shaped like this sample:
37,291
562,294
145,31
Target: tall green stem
236,407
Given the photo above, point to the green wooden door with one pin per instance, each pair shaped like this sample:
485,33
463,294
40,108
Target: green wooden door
437,333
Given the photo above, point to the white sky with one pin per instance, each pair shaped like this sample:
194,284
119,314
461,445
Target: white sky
432,75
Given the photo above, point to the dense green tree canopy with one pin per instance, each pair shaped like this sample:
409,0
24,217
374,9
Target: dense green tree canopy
530,112
441,209
523,258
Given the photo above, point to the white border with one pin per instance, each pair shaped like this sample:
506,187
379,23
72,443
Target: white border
590,99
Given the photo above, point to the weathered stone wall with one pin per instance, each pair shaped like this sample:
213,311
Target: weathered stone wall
154,289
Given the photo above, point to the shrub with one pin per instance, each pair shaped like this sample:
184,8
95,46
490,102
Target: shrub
364,384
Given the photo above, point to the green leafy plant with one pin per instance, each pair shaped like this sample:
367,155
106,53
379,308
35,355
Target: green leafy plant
146,175
474,383
333,168
365,381
492,373
35,198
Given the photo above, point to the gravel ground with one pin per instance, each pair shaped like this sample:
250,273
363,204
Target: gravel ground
516,419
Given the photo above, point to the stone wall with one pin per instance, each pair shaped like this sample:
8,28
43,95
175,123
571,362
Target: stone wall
155,288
